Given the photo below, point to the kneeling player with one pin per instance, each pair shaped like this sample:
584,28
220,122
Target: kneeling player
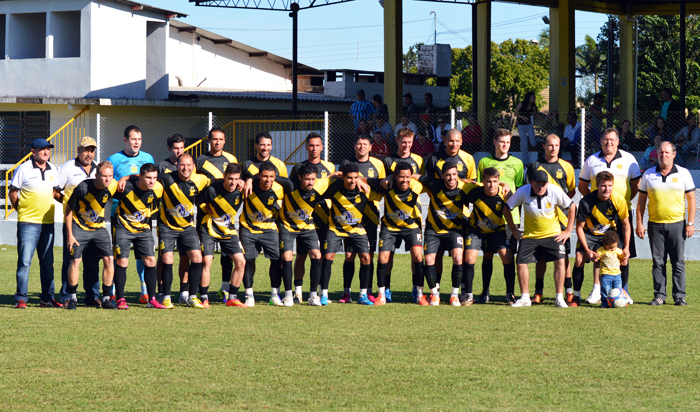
85,223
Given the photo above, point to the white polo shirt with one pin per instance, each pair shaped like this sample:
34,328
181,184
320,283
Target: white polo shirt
624,168
35,186
667,193
541,219
70,175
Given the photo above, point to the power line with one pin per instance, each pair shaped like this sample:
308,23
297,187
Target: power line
314,29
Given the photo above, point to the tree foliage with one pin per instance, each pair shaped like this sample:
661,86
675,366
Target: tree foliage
543,37
589,60
410,59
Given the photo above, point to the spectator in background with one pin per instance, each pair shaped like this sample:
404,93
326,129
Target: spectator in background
441,145
429,108
427,129
364,128
409,107
554,126
379,107
626,135
471,135
525,113
670,111
572,134
381,125
491,135
596,111
422,146
442,125
651,156
380,148
659,128
689,136
406,122
361,109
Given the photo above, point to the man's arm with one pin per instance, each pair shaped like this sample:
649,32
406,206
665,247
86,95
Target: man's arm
582,240
58,196
690,198
569,226
634,187
70,239
583,187
14,197
641,207
627,233
509,221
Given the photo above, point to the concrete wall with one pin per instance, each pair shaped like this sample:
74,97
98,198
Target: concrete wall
65,33
156,68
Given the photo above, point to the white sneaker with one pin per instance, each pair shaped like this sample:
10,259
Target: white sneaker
276,301
288,301
184,299
315,301
594,298
522,302
561,303
250,301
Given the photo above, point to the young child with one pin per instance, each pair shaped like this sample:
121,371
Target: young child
380,148
609,259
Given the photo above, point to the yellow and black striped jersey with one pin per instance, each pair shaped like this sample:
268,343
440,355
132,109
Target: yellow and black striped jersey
261,208
88,204
136,206
219,220
213,167
466,168
167,166
400,207
601,215
487,215
446,209
347,208
324,169
298,205
414,160
373,168
177,211
251,167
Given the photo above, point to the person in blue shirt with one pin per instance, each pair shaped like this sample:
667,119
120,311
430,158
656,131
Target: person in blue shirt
129,162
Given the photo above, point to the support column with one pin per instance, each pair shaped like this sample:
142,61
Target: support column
627,79
566,51
393,54
553,62
483,63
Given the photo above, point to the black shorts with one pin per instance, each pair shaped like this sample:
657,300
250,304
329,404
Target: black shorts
143,242
267,241
371,238
307,238
532,250
433,241
594,242
334,243
390,241
186,239
99,240
487,242
229,247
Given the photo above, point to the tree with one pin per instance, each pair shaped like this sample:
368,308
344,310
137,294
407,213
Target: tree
517,67
543,37
589,60
410,59
461,80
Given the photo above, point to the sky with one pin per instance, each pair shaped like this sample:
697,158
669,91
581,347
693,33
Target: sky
350,35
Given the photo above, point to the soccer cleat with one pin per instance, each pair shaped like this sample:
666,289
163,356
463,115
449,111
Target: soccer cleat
223,295
121,304
454,301
167,304
298,298
387,295
422,301
144,299
50,304
561,303
510,299
371,297
276,301
483,299
205,303
250,301
468,301
288,301
657,302
113,298
346,298
194,302
569,298
575,302
414,294
183,300
72,304
681,302
154,304
593,298
434,300
324,300
315,301
21,304
108,304
537,299
235,302
381,300
522,302
95,303
364,300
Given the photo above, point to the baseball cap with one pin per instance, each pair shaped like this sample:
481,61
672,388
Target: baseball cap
360,91
87,141
41,143
540,176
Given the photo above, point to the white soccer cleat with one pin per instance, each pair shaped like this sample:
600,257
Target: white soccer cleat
561,303
276,301
250,301
522,302
288,301
594,297
315,301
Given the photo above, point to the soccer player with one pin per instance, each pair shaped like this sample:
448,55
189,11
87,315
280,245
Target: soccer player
129,162
625,169
598,212
85,224
212,165
259,230
486,231
400,223
368,167
138,202
70,175
510,170
349,204
177,225
176,147
221,203
314,148
560,173
542,233
301,196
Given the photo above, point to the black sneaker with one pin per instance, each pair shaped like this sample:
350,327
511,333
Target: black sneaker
510,299
72,304
657,302
483,299
50,304
681,302
108,304
95,303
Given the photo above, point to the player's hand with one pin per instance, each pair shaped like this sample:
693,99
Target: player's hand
388,182
592,255
561,237
506,189
624,261
240,184
363,186
689,231
640,231
627,253
517,234
71,242
248,188
122,183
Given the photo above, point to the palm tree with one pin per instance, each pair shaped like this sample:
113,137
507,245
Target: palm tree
543,37
589,59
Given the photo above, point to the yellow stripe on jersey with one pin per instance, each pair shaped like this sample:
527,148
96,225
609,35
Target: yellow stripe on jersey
90,212
349,214
397,212
133,214
219,224
260,214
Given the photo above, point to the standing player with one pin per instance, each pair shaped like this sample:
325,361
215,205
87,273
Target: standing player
560,173
368,167
510,170
314,148
85,224
177,225
542,236
221,203
625,169
129,162
138,202
176,147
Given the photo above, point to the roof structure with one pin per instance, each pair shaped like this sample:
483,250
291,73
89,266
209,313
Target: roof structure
278,5
254,95
620,7
141,6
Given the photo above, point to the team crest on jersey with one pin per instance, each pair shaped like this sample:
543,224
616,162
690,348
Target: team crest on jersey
347,218
358,199
270,201
675,180
150,198
324,174
238,200
460,167
609,212
560,174
312,198
499,206
370,172
458,198
51,178
192,192
409,198
105,198
549,205
225,164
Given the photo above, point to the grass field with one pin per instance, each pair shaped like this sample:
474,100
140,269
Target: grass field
350,357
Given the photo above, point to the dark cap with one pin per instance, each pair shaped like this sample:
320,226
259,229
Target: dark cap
41,143
360,91
540,176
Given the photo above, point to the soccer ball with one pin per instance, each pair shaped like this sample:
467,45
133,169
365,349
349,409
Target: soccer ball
618,298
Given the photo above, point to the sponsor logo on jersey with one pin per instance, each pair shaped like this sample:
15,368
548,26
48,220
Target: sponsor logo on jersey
446,213
223,221
299,214
399,215
347,218
486,224
136,217
181,211
256,216
90,216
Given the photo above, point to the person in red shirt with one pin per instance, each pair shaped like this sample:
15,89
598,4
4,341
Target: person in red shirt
422,146
380,148
471,135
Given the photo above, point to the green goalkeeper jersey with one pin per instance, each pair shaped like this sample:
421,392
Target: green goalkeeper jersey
512,173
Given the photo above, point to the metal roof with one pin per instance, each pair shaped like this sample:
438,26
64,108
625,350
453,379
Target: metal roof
256,95
150,8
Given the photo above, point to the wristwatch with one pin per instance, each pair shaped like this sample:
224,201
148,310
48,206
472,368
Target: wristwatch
690,224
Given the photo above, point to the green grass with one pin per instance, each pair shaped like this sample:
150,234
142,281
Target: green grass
349,357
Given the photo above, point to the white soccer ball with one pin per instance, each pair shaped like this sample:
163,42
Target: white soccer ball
617,298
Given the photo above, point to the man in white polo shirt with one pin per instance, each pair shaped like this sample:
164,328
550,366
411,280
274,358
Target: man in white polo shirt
32,195
669,187
70,175
625,169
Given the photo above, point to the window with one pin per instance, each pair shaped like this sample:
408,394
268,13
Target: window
28,37
17,130
65,30
3,19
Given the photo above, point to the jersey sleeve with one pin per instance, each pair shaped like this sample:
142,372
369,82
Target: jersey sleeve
584,209
429,166
286,183
246,170
480,170
62,178
295,170
586,172
620,205
643,181
200,181
208,195
517,199
430,183
376,185
471,167
563,200
374,196
388,161
570,176
634,171
688,181
321,185
18,178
